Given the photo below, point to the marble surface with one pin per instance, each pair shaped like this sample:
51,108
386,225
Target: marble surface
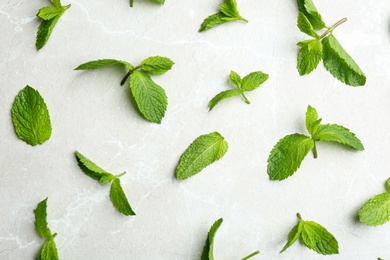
93,114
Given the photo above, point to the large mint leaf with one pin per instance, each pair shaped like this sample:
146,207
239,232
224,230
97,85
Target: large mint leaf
119,199
310,11
338,134
157,65
207,253
317,238
376,211
40,220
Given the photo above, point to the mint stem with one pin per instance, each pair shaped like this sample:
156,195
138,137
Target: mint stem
131,3
243,19
128,75
67,6
54,235
333,27
315,150
251,255
299,216
245,98
119,175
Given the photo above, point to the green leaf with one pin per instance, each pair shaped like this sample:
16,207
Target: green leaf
387,185
235,79
119,199
207,253
56,3
97,64
150,97
305,26
160,1
202,152
30,117
293,236
338,134
317,238
48,251
92,170
223,95
253,80
312,120
338,62
157,65
287,155
49,12
310,11
215,20
40,220
309,56
376,211
229,8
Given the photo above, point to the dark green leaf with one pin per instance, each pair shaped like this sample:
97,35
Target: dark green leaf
338,134
293,236
207,253
92,170
119,199
40,220
223,95
97,64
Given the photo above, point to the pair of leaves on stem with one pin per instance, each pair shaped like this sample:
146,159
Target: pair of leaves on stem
228,12
117,194
150,98
313,236
157,1
30,117
50,16
208,249
325,47
248,83
288,154
376,211
49,249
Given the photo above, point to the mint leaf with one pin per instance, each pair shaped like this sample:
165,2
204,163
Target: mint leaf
223,95
207,253
119,199
157,1
305,26
49,12
317,238
310,11
48,251
157,65
202,152
338,62
235,79
150,97
312,120
97,64
56,3
293,236
338,134
253,80
287,155
376,211
92,170
229,8
309,56
40,220
30,117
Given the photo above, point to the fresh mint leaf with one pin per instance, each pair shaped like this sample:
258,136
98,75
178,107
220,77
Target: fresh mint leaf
309,56
376,211
287,155
310,11
49,16
248,83
228,12
207,253
30,117
157,1
97,64
293,236
312,120
150,97
92,170
48,251
305,26
202,152
338,134
157,65
119,199
338,62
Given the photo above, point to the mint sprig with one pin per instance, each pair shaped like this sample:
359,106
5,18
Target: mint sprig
288,154
376,211
248,83
313,236
50,16
228,12
150,98
117,195
324,47
49,249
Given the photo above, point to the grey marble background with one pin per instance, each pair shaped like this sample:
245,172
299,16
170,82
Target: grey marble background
92,113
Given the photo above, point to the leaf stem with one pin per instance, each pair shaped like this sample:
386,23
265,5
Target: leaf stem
128,75
131,3
245,98
330,29
54,235
243,19
251,255
119,175
299,216
315,151
67,6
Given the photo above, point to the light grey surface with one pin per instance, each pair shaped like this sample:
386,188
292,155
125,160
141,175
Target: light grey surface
90,112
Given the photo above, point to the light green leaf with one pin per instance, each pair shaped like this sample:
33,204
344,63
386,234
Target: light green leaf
215,20
150,97
229,8
49,12
30,117
338,62
287,155
387,185
305,26
119,199
310,11
202,152
253,80
97,64
338,134
312,120
293,236
376,211
223,95
56,3
309,56
160,1
317,238
92,170
235,79
40,220
48,251
207,253
157,65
